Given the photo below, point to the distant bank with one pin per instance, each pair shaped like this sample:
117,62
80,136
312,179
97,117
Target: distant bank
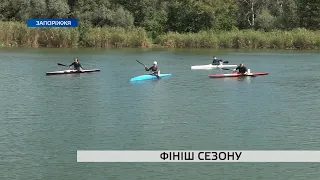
16,34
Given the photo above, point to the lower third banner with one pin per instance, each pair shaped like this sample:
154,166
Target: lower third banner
197,156
52,22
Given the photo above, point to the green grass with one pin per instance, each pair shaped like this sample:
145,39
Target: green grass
245,39
17,34
115,37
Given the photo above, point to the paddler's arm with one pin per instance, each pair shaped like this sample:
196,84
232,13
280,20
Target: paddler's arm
71,64
148,69
236,69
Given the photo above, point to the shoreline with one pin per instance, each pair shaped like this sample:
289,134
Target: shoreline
161,48
16,35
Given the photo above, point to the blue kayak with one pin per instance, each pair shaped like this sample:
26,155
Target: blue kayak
147,77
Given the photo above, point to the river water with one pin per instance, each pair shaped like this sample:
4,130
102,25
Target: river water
46,119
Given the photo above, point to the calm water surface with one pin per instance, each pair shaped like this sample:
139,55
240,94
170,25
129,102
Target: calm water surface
46,119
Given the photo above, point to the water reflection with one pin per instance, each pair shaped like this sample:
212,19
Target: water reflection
245,79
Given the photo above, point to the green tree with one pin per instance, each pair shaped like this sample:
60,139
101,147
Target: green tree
248,12
120,17
309,12
155,24
265,20
14,9
91,11
57,8
38,9
289,15
225,14
193,16
102,13
141,10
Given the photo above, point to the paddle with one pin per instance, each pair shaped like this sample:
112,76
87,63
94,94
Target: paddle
141,63
62,65
147,67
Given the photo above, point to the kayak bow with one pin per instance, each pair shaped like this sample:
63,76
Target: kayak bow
238,75
147,77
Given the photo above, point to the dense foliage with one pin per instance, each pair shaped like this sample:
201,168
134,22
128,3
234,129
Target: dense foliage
158,18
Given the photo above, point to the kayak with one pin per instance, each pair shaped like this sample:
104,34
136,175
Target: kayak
71,72
236,74
210,66
147,77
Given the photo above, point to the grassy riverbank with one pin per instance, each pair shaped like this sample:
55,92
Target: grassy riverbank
249,39
15,34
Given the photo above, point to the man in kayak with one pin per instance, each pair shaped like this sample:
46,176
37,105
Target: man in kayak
216,61
76,65
154,69
242,69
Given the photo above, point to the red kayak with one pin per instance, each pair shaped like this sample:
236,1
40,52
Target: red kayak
236,74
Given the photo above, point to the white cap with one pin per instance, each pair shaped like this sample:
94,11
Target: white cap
155,63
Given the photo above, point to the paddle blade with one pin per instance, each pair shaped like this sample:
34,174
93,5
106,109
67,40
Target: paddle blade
225,69
62,64
226,62
141,63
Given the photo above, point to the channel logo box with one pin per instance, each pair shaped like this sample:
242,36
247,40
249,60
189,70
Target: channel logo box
52,22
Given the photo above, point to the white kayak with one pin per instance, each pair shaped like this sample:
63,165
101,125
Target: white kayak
210,66
72,71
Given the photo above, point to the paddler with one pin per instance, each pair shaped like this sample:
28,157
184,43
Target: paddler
154,69
216,61
242,69
76,65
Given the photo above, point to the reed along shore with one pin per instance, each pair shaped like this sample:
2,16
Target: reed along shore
17,34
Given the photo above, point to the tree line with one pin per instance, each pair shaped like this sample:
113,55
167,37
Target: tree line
162,16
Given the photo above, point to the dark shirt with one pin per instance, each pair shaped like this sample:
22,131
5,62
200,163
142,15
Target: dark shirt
76,65
153,69
216,61
241,69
